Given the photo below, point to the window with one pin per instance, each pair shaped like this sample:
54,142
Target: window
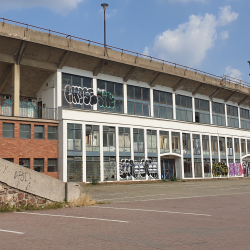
39,132
196,144
184,110
243,147
74,137
92,169
202,114
72,85
197,168
39,165
237,147
110,170
151,141
138,135
186,143
8,130
163,105
218,113
92,138
207,168
248,146
110,96
108,139
229,146
124,139
232,116
222,144
164,142
176,142
52,132
245,118
9,159
214,144
205,145
138,101
24,163
187,168
74,169
52,165
24,131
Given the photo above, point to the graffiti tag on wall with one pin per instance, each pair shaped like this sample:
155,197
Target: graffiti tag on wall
220,169
235,169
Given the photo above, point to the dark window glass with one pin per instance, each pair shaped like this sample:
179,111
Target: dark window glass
39,132
52,132
8,130
145,94
39,165
24,163
52,165
25,131
130,92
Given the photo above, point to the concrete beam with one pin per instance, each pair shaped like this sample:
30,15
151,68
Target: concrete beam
229,97
129,74
99,67
63,59
214,93
242,101
3,81
178,84
153,82
196,90
16,89
20,53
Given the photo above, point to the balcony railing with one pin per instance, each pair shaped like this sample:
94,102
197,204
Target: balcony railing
29,110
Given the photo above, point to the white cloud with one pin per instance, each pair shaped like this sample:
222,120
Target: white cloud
224,35
233,72
226,16
189,43
62,6
146,51
109,13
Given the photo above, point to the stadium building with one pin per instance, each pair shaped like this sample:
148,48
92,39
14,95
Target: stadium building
78,111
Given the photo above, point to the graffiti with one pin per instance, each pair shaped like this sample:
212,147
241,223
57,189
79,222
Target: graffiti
220,169
27,109
130,168
23,177
7,108
235,169
105,99
3,168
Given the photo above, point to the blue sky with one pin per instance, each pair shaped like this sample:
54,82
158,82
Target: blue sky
208,35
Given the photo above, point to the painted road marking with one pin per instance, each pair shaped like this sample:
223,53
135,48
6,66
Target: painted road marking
75,217
157,211
14,232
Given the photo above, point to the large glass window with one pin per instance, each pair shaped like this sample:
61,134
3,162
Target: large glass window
186,143
164,142
205,145
237,147
222,144
24,131
243,147
8,130
39,132
218,113
184,110
232,116
207,167
74,137
92,138
196,144
202,114
187,168
39,165
52,165
245,118
163,105
138,135
77,91
110,96
151,141
176,148
230,146
110,169
108,139
214,144
138,100
197,168
124,139
74,169
93,169
52,132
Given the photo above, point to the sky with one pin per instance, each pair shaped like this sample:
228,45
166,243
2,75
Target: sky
208,35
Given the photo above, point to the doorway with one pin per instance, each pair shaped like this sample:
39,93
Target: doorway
168,169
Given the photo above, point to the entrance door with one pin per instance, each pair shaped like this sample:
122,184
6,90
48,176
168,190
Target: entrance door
167,169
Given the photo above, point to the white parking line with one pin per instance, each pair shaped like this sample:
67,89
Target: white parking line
146,210
14,232
75,217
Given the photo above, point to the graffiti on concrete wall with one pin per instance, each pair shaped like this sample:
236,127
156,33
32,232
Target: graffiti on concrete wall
235,169
129,168
27,109
6,109
220,169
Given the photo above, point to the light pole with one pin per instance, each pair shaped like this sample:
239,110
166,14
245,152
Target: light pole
104,5
249,64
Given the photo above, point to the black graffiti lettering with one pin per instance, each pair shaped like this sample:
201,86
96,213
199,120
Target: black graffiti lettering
16,175
27,176
5,168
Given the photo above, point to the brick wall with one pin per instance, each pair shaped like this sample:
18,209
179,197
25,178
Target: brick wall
16,148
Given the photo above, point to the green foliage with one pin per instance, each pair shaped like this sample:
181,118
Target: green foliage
94,181
173,178
220,169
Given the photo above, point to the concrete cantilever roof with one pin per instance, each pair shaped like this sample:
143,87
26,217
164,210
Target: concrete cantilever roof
40,54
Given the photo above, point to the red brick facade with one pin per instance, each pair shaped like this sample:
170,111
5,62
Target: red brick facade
16,148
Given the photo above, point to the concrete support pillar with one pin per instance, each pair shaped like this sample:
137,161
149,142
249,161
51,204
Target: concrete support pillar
15,89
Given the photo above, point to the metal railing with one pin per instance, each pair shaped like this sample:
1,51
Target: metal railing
226,78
